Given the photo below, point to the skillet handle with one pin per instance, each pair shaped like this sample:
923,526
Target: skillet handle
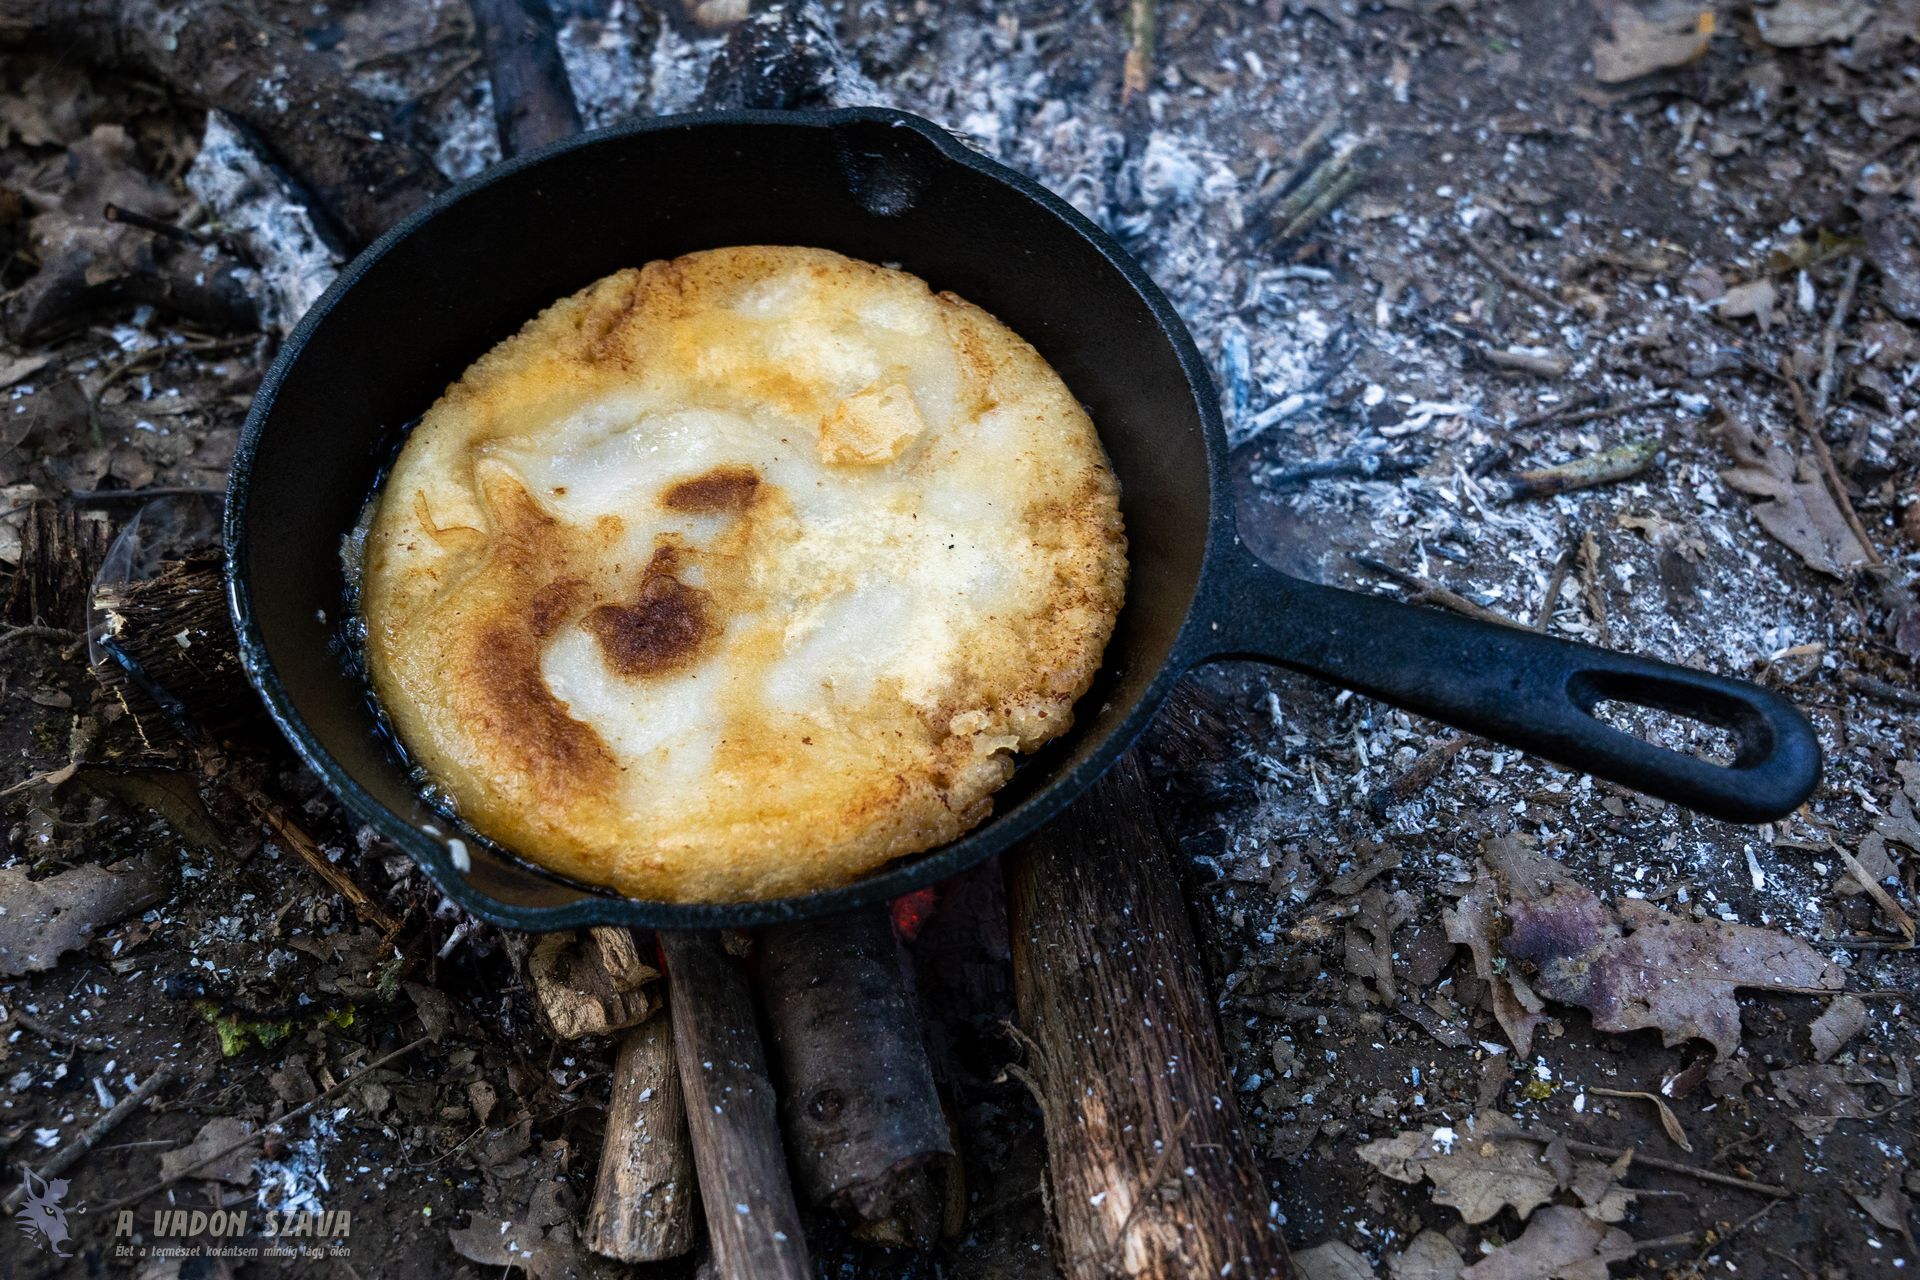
1522,688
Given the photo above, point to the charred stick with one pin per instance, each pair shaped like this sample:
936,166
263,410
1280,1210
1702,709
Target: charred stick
1513,278
733,1121
862,1118
642,1209
1150,1171
1610,466
88,1138
532,97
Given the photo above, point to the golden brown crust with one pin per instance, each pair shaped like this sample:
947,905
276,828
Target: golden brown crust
739,575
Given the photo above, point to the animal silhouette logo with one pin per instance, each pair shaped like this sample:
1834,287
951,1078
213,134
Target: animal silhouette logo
42,1218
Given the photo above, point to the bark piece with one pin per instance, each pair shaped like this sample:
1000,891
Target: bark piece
41,920
1150,1171
861,1115
642,1208
591,982
732,1118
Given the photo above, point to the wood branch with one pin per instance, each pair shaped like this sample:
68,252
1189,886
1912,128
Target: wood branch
591,982
344,147
88,268
642,1209
175,624
732,1118
532,97
60,551
1150,1172
861,1115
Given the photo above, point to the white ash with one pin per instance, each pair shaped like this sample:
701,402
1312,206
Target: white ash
606,64
253,202
297,1182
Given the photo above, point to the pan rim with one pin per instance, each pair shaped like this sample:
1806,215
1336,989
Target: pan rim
598,906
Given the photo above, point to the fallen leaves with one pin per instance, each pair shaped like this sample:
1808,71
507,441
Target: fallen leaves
40,920
1489,1165
1643,41
203,1158
1558,1244
1755,299
1797,24
1475,923
1795,506
1635,966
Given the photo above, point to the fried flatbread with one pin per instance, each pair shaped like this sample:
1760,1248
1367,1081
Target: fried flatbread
739,575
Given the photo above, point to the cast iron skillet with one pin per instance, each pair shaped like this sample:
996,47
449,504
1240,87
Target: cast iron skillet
409,314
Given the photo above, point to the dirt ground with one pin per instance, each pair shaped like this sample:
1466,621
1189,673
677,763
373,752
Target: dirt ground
1695,281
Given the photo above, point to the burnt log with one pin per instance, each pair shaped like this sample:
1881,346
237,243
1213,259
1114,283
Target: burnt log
343,147
1150,1171
862,1118
532,97
733,1120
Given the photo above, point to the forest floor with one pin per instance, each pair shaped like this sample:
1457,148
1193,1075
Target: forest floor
1667,247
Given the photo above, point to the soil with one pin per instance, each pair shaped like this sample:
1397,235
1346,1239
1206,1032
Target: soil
1533,267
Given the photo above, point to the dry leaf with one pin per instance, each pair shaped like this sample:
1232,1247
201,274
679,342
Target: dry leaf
493,1242
1795,24
171,793
1487,1165
1475,924
1637,966
1431,1256
1798,511
1894,247
1668,1121
217,1135
1331,1261
40,920
1755,298
1889,1206
1642,42
1558,1244
1825,1094
15,368
1899,825
1844,1019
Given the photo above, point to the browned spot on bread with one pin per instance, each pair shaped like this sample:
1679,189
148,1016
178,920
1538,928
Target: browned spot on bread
563,755
551,604
665,626
726,488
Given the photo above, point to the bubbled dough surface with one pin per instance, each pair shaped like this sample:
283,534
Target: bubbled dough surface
739,575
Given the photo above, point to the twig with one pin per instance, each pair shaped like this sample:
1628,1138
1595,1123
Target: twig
66,1157
1514,278
1830,342
114,375
1361,466
294,1114
1667,1166
294,837
1290,172
1424,769
1590,584
1425,592
1561,568
59,635
47,1031
1878,892
1668,1121
1335,191
1137,75
1610,466
159,226
1877,688
1810,423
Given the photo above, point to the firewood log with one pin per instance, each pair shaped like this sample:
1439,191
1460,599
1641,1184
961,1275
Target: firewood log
862,1118
642,1208
732,1117
345,148
1151,1174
